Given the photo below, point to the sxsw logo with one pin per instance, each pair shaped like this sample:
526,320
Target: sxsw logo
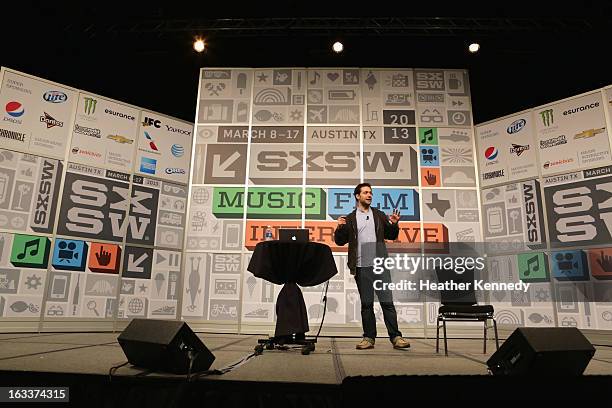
341,201
580,212
96,208
46,196
335,164
229,263
432,80
533,212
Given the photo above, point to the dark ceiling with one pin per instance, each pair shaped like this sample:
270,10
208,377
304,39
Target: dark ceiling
141,52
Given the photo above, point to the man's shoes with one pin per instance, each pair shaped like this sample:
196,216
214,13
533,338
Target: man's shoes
400,343
365,343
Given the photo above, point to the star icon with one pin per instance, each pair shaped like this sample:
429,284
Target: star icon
143,288
262,77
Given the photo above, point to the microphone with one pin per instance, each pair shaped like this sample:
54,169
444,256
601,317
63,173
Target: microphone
367,217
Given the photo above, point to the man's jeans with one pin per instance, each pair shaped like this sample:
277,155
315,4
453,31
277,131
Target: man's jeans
365,278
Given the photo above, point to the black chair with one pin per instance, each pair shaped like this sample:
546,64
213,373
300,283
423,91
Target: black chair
461,306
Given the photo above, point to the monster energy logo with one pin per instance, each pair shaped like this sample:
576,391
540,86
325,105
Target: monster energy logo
547,117
90,105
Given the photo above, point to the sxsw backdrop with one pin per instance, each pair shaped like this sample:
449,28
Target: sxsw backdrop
546,208
285,147
102,218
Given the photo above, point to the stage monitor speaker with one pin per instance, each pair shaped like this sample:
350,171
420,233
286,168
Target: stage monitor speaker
164,345
535,350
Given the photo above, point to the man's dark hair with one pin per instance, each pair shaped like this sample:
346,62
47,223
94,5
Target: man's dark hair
358,189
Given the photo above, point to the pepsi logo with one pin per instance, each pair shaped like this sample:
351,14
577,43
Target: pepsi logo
14,109
491,153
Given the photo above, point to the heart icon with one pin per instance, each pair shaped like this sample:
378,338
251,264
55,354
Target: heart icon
333,76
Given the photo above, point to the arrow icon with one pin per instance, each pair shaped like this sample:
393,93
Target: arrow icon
220,169
160,258
134,266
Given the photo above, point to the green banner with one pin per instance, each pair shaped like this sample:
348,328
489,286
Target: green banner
269,202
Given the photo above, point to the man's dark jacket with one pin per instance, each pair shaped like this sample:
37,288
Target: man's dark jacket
348,233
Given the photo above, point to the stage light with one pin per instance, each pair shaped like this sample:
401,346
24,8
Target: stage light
338,47
474,47
199,45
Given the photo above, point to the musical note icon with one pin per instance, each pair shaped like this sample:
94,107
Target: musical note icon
33,252
315,79
533,265
427,136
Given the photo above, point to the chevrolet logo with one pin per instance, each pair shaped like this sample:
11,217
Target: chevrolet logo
120,139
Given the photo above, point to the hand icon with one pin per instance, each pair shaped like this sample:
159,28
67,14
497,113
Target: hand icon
103,257
605,262
430,178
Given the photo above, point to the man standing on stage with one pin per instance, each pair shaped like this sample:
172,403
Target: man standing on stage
365,230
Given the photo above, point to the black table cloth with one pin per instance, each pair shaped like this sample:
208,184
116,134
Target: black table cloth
292,264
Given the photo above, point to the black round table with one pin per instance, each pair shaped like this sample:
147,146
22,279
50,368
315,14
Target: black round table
292,264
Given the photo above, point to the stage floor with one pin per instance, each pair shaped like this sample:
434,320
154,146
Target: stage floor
333,360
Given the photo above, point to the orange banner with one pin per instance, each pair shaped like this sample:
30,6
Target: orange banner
323,232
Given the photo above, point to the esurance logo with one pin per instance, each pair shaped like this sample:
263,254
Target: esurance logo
14,109
491,153
516,126
518,149
547,117
581,108
55,97
50,121
89,105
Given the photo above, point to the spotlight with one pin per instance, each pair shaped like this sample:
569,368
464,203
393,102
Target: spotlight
474,47
199,45
338,47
